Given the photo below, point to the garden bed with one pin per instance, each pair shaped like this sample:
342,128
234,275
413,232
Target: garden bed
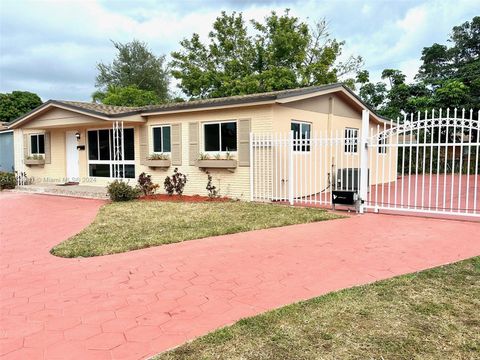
184,198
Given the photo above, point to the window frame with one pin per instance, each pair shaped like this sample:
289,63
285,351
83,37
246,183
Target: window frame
347,148
219,123
153,138
37,135
110,161
302,147
382,146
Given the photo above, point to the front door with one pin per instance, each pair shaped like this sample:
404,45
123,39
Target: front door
72,156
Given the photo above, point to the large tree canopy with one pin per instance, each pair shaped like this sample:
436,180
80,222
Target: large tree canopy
279,53
449,77
17,103
126,96
134,66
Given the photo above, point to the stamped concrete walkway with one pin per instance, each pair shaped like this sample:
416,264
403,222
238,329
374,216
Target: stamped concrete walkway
133,305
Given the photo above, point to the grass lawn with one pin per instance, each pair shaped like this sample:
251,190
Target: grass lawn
433,314
121,227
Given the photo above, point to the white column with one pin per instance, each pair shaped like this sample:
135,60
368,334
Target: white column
290,168
364,160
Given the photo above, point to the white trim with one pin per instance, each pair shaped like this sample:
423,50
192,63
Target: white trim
351,146
127,117
219,122
153,139
110,162
301,122
30,153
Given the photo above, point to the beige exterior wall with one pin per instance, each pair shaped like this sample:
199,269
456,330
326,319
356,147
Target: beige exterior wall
232,184
329,116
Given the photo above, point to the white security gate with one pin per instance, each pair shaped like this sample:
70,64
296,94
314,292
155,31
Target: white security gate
300,169
428,163
436,159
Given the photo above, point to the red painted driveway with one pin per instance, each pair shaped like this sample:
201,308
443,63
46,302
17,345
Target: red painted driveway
133,305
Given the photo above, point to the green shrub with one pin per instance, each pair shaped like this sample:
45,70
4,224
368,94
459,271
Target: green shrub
7,180
122,191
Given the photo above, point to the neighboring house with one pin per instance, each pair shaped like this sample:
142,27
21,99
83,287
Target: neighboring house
6,148
79,141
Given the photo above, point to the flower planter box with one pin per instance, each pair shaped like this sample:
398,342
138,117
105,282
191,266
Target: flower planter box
217,164
33,162
158,163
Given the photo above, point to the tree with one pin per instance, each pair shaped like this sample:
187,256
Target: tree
444,67
17,103
449,77
373,94
135,66
126,96
282,53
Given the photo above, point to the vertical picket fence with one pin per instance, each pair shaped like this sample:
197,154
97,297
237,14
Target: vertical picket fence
299,169
436,156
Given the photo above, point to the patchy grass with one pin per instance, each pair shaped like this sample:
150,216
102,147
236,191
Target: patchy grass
433,314
126,226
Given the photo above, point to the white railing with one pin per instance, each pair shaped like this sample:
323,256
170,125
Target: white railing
303,169
425,163
118,150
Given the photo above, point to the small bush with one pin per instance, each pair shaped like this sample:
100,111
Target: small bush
35,157
213,192
146,185
175,183
122,191
7,180
160,156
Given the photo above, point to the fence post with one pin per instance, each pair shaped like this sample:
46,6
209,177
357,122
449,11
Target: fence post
364,161
251,166
290,168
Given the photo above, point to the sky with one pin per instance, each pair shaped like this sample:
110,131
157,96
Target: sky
51,47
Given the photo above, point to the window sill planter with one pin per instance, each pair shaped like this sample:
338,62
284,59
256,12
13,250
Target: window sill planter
217,164
34,162
158,163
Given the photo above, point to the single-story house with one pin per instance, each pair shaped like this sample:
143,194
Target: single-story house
71,141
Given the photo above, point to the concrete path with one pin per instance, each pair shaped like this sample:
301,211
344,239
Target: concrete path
133,305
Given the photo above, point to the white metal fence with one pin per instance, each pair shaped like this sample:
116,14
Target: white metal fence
302,170
437,164
425,162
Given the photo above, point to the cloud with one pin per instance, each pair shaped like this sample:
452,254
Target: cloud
51,47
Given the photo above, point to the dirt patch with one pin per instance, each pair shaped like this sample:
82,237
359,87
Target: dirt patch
183,198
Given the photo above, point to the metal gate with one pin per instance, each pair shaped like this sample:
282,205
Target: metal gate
436,159
423,163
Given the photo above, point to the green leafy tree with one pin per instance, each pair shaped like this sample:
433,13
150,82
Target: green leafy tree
134,66
17,103
282,53
126,96
452,94
373,94
444,68
449,77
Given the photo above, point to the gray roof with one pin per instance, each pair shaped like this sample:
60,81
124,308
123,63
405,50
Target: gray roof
120,111
114,111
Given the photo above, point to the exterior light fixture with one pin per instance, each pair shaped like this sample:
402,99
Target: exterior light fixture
77,135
